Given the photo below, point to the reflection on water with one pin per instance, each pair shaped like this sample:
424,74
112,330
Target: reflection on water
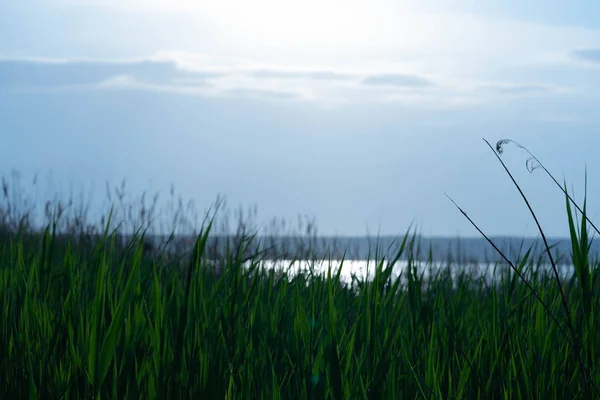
360,269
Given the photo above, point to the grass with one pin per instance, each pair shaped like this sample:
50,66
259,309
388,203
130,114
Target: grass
102,320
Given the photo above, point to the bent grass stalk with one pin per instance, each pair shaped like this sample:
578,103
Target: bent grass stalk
580,249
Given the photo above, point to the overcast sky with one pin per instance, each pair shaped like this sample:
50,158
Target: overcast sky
359,113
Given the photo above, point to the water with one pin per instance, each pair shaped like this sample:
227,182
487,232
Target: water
361,269
473,256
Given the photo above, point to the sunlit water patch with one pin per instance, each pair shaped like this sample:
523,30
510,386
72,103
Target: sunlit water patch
352,270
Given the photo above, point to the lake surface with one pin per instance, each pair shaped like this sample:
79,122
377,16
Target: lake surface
360,269
474,256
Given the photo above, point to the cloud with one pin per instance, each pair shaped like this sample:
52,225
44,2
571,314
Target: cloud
318,75
440,101
516,88
39,73
590,55
191,74
119,81
263,94
156,72
131,82
404,80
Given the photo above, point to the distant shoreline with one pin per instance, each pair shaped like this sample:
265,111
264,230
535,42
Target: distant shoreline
442,248
362,248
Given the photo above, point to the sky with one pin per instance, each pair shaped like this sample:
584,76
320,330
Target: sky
359,114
